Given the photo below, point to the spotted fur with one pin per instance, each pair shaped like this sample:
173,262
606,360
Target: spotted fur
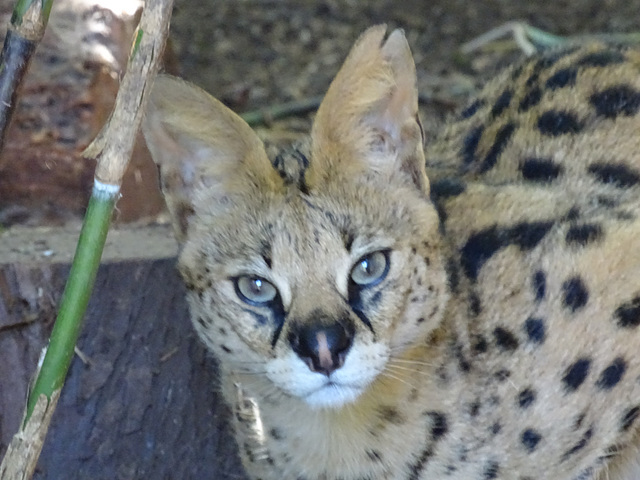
500,341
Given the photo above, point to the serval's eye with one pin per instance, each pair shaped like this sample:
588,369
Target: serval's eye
370,269
255,290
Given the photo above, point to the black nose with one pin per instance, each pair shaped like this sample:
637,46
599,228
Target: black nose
323,348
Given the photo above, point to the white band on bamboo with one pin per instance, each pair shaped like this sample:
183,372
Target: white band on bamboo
105,190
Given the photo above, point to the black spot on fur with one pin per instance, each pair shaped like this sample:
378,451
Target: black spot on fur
447,187
202,322
530,439
573,214
495,428
390,415
505,339
629,417
480,344
482,245
611,375
475,306
539,283
491,470
584,441
575,294
618,175
417,468
556,123
470,145
628,314
474,409
584,234
565,77
453,277
526,398
601,59
531,99
502,139
439,425
226,349
528,235
374,455
576,374
502,375
540,170
471,110
615,101
502,103
577,424
535,329
276,434
463,363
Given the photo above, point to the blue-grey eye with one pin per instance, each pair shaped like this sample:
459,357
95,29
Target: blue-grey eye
255,290
370,269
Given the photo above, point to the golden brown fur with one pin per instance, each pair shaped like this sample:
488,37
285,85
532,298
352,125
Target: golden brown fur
500,339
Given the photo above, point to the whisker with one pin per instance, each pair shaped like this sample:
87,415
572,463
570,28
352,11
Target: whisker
413,362
395,377
407,369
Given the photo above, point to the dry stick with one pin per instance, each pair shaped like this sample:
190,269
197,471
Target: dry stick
281,110
25,31
112,149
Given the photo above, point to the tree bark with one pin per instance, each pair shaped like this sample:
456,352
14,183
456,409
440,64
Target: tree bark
143,403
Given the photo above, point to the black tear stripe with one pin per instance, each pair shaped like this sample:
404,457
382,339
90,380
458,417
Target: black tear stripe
279,315
355,302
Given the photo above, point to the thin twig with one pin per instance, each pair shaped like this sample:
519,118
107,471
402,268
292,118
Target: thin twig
25,31
269,114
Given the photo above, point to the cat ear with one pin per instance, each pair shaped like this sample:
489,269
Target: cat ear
201,147
368,119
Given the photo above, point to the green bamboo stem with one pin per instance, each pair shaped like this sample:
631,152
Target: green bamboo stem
76,294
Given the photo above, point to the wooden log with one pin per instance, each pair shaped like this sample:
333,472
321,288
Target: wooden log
141,400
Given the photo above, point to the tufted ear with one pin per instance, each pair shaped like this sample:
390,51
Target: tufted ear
368,119
201,147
